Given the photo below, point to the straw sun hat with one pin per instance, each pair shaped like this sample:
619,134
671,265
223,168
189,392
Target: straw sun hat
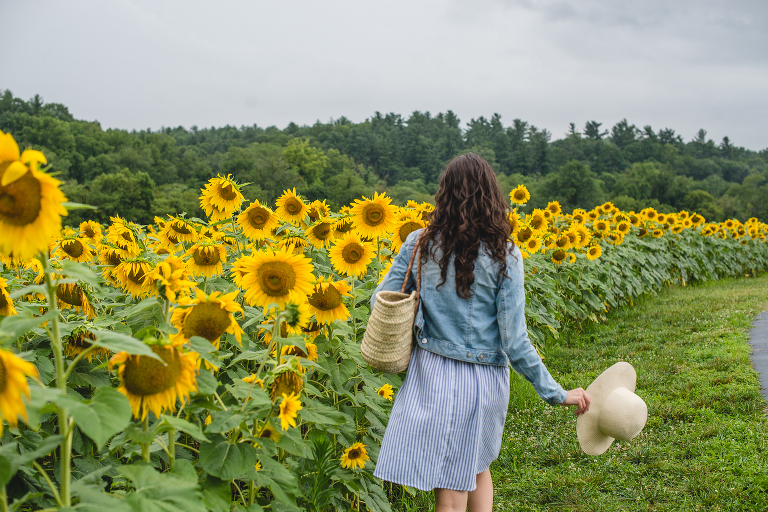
616,412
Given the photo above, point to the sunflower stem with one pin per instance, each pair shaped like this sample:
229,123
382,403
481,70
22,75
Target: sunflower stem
44,474
77,359
61,384
275,330
3,499
172,447
378,258
145,446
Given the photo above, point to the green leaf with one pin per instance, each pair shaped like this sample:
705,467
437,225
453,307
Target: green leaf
206,383
70,205
81,272
225,420
118,342
11,327
162,492
107,414
206,350
317,412
184,426
138,308
227,461
278,479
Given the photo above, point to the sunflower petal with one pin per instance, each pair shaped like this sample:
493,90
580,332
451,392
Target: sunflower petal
14,171
33,158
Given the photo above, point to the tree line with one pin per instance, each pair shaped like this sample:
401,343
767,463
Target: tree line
141,174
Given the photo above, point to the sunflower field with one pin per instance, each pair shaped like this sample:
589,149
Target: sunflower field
214,364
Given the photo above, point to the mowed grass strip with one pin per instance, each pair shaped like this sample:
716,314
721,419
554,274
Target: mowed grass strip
704,446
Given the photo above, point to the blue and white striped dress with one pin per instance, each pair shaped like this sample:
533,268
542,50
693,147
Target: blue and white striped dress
446,423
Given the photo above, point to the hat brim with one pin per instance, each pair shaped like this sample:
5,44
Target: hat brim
592,441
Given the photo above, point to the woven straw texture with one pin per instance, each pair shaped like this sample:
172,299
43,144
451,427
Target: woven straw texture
388,339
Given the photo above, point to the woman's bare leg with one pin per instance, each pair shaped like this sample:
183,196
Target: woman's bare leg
481,499
447,500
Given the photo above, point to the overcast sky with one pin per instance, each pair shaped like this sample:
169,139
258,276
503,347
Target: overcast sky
681,64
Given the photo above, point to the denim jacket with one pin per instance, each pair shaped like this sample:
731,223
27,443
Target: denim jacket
487,328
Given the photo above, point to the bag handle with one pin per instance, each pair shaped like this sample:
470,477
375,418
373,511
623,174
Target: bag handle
410,266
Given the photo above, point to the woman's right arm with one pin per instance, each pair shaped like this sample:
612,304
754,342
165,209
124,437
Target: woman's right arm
525,360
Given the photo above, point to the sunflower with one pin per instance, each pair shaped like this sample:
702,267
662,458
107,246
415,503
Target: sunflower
77,343
563,242
317,210
76,249
624,227
121,235
404,227
290,207
325,301
583,234
6,304
601,225
257,221
525,234
72,296
289,409
538,221
206,316
251,379
153,385
92,232
344,226
519,195
385,391
321,233
594,252
286,383
355,456
614,237
110,257
514,222
13,383
593,214
30,202
697,219
657,233
221,198
606,207
579,215
267,431
374,217
178,230
274,276
559,256
533,245
205,258
350,256
134,276
554,208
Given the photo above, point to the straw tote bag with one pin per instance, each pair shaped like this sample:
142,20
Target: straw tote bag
388,339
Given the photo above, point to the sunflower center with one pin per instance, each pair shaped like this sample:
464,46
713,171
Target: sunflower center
136,275
293,206
74,248
537,221
314,214
354,453
3,382
266,433
113,258
227,192
70,294
352,253
3,301
206,257
322,231
89,232
558,255
79,339
20,201
408,228
144,376
524,235
258,217
519,195
180,227
276,278
373,214
326,299
562,241
207,320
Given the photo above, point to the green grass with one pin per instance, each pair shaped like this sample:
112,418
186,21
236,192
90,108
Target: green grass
704,446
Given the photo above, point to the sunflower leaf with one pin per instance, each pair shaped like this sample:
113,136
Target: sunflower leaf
11,327
184,426
138,308
227,461
70,205
118,342
107,414
80,271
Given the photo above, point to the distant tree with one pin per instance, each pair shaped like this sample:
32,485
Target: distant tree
592,130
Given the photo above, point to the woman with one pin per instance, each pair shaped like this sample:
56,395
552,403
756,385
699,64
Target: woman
448,417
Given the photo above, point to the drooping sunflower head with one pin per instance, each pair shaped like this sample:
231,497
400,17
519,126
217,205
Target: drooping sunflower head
73,296
134,277
354,457
286,382
614,237
207,316
176,230
344,225
6,304
221,197
559,256
594,252
274,276
91,231
30,202
293,242
121,235
657,233
206,258
152,385
326,301
563,242
291,208
110,256
350,256
172,278
404,227
583,234
374,217
525,234
13,383
519,195
78,342
697,219
317,210
514,222
75,249
321,233
257,221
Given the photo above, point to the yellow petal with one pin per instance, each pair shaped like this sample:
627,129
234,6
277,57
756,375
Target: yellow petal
32,158
9,150
14,171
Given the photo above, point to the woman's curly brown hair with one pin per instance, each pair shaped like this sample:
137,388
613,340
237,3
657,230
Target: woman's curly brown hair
470,208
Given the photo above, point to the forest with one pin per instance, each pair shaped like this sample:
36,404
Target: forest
143,174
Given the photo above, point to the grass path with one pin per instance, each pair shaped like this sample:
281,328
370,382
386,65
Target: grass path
704,446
